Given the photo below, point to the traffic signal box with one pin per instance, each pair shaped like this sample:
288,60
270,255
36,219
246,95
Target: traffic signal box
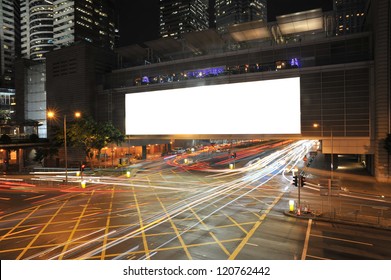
302,181
299,181
295,181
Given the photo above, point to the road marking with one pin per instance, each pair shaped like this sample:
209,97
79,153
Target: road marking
34,197
145,243
254,228
236,224
211,233
23,230
53,200
341,239
307,239
64,250
175,248
21,222
315,257
184,247
42,230
102,257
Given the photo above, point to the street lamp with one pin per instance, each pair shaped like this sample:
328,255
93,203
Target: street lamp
51,115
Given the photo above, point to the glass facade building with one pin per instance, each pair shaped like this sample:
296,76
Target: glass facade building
179,17
350,15
10,40
37,28
49,25
230,12
84,20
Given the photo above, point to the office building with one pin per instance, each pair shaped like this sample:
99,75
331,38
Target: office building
49,25
36,28
350,15
10,40
344,81
84,20
230,12
179,17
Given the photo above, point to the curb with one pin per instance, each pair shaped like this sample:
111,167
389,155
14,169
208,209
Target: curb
329,220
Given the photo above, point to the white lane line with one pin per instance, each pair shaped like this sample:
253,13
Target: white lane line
341,239
307,239
316,257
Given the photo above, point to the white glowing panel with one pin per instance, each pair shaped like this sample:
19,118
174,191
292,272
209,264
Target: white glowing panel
261,107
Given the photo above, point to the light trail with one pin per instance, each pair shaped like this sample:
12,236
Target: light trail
217,193
201,195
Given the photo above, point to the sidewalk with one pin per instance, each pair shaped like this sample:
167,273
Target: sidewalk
373,209
352,175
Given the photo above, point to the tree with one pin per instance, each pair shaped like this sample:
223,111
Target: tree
41,153
90,136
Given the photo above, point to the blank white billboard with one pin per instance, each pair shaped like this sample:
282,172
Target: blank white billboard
261,107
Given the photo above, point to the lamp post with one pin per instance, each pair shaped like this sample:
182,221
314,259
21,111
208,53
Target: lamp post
52,115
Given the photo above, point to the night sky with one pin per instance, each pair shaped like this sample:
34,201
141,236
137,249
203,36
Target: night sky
133,30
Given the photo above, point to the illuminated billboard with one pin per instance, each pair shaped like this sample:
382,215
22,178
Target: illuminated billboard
260,107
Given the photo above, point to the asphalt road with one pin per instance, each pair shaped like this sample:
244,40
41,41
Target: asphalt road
171,210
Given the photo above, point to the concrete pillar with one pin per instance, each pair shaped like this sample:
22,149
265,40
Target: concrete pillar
144,152
382,115
20,159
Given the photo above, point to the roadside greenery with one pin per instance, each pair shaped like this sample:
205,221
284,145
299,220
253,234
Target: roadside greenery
92,137
86,134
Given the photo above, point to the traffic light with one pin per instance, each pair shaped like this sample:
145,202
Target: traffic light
302,181
233,155
82,167
294,181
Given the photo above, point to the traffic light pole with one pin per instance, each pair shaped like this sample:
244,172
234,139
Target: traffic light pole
299,187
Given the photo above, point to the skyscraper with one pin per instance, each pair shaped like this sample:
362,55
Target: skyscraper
10,40
37,28
229,12
84,20
178,17
49,25
350,15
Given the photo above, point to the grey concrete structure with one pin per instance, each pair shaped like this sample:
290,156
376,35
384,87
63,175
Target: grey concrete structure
345,80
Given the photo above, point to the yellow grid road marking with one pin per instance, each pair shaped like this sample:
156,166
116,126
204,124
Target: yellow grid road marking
254,228
75,228
34,197
18,224
236,224
42,230
211,234
175,230
41,205
162,249
107,226
145,243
